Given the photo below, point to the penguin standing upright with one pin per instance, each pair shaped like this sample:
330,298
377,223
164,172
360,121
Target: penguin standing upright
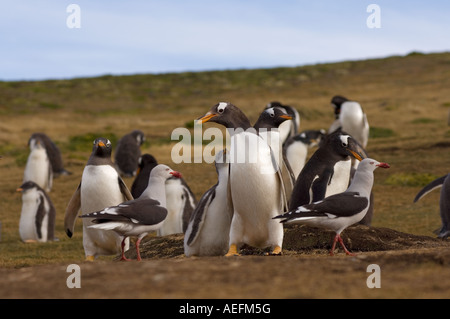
208,232
53,153
267,126
37,219
139,216
128,152
38,168
255,186
101,186
328,170
351,119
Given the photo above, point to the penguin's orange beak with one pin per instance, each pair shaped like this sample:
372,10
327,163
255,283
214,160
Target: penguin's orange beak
205,118
19,189
287,117
101,144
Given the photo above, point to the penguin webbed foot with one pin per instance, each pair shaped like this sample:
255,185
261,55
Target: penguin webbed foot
275,252
232,251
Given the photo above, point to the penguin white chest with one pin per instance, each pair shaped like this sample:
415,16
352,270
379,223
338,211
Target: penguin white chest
99,188
341,178
255,192
31,201
37,168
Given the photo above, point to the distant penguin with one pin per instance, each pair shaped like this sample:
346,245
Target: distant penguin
100,187
296,148
180,199
351,118
53,153
328,170
37,219
444,202
288,128
208,232
128,152
38,168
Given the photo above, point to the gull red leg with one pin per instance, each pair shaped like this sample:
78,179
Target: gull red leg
345,248
138,242
334,244
123,250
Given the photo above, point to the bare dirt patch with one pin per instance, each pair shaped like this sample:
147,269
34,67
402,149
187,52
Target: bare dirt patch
411,267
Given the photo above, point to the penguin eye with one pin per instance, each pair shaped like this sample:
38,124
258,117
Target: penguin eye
108,143
272,115
344,144
220,110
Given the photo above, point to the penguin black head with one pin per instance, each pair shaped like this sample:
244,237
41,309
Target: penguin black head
272,118
336,102
310,137
226,114
27,186
102,147
344,145
36,141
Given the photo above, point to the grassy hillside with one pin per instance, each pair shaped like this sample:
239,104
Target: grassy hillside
407,100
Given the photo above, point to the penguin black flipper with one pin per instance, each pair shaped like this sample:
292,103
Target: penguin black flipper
40,214
199,214
51,220
124,189
72,211
319,186
437,183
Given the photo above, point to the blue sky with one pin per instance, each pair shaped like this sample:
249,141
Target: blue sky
127,37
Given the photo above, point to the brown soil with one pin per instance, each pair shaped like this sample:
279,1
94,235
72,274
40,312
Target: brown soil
411,266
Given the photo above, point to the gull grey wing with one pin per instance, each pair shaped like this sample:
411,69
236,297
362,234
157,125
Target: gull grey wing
340,205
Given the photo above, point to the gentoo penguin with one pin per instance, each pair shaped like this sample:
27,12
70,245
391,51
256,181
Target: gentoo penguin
351,118
128,152
101,186
139,216
37,219
208,232
339,211
38,168
327,172
267,126
255,186
444,202
288,128
181,200
53,153
296,148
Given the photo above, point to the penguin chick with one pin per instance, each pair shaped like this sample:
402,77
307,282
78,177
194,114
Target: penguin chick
37,218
